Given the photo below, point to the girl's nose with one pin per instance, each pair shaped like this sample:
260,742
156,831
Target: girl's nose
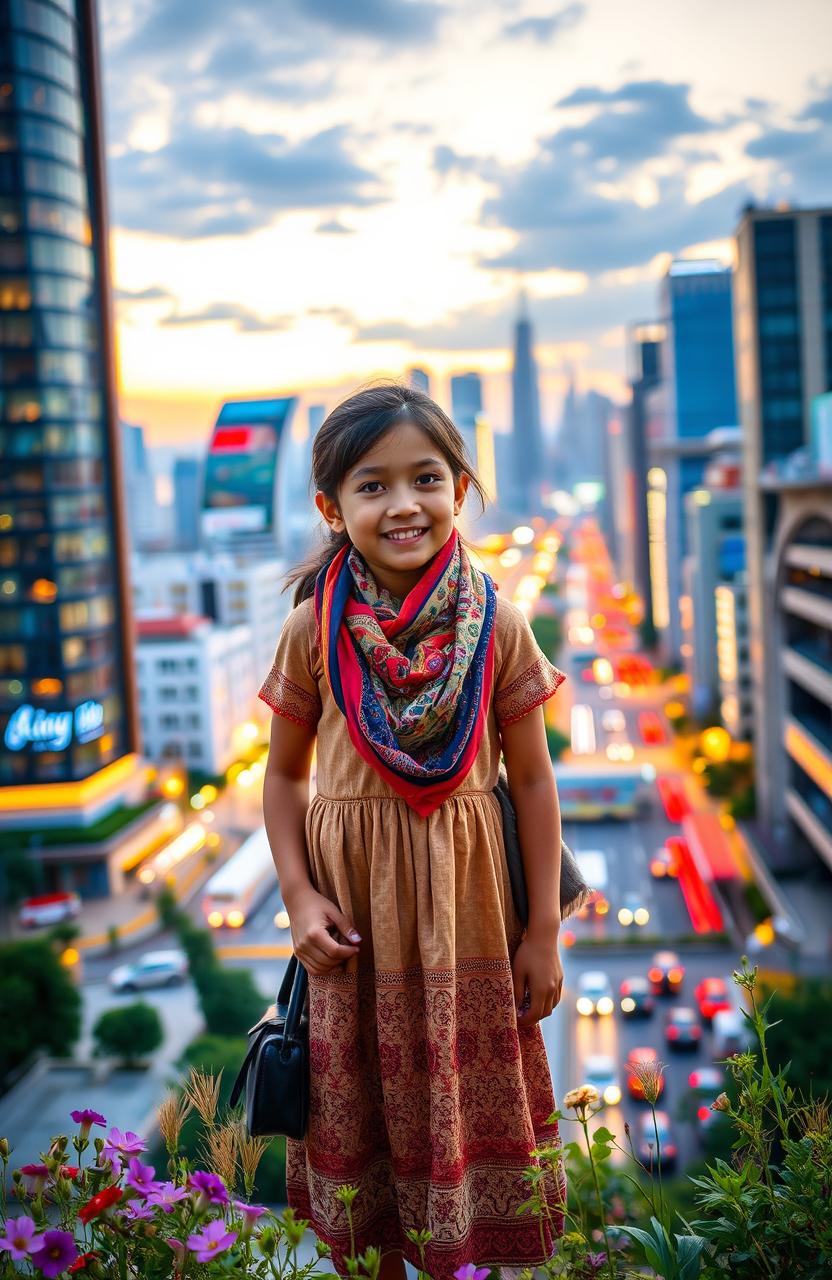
403,503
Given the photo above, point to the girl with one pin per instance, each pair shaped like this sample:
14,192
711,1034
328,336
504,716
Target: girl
429,1079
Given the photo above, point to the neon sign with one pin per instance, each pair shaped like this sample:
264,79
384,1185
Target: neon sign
44,730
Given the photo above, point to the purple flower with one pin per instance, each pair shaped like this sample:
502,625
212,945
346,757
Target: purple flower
595,1261
178,1250
165,1195
211,1189
213,1239
34,1176
141,1177
119,1144
59,1252
250,1212
136,1212
471,1272
20,1238
87,1119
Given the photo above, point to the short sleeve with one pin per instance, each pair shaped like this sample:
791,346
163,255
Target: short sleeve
290,688
525,677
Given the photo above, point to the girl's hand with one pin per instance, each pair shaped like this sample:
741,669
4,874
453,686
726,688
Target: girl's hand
538,977
313,920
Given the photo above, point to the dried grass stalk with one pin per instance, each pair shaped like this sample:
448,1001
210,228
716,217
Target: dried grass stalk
203,1091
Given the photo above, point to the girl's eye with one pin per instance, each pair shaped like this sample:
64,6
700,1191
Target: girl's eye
367,487
429,476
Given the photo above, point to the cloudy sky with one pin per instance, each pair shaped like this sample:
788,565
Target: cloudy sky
309,193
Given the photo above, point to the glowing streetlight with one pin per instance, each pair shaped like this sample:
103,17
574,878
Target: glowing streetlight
523,535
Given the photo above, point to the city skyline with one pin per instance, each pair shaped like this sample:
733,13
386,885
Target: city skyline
315,221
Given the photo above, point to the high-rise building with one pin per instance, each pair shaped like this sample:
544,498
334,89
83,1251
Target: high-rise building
696,395
466,405
643,354
145,523
419,379
783,323
527,441
68,727
187,500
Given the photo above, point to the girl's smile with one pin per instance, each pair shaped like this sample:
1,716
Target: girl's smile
397,506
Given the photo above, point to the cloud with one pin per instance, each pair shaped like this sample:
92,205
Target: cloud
153,293
334,227
208,182
546,28
801,157
243,319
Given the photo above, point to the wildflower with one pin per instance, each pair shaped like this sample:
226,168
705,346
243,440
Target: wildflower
745,977
141,1177
58,1252
178,1250
34,1177
595,1261
119,1144
213,1239
20,1238
721,1103
250,1212
82,1261
210,1189
586,1095
69,1171
136,1212
86,1119
165,1195
650,1076
99,1203
471,1272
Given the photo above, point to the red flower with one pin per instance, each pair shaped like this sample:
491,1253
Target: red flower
69,1171
109,1196
80,1263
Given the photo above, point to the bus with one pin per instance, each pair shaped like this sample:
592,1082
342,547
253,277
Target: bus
590,792
235,891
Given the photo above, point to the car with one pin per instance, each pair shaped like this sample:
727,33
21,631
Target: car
613,720
730,1033
636,999
643,1055
48,908
668,1150
594,993
707,1082
599,1071
664,864
633,911
665,973
682,1029
712,995
651,728
154,969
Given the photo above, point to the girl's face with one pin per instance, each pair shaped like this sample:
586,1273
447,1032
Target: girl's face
397,505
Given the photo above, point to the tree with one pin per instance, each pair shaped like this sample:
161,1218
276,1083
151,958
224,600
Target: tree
802,1034
231,1002
40,1007
130,1033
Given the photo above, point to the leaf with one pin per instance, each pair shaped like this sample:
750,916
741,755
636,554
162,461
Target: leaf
603,1135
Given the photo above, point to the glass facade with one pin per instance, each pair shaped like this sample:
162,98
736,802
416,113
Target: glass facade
825,231
778,320
701,330
63,674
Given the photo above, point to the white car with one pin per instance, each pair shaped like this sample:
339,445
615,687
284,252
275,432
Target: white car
155,969
599,1070
594,993
613,721
633,911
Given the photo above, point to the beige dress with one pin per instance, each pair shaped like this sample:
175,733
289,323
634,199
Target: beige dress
424,1094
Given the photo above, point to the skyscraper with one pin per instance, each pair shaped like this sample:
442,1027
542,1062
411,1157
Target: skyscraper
783,323
527,442
644,354
419,379
187,496
696,395
466,404
68,728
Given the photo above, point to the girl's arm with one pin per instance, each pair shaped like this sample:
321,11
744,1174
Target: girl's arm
534,794
285,801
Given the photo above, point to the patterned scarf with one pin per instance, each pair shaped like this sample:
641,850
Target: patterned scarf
413,680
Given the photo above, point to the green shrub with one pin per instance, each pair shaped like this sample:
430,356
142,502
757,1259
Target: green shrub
231,1002
130,1033
40,1007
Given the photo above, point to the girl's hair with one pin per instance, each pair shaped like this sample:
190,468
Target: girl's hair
350,431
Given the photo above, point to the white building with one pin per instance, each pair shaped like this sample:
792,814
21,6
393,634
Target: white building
226,589
197,688
736,709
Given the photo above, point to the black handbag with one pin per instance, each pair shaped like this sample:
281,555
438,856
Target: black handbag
574,891
275,1072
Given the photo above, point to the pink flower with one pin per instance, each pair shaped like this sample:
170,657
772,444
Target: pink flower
211,1189
178,1250
20,1239
59,1252
141,1177
34,1177
250,1212
165,1195
213,1239
86,1119
136,1212
471,1272
119,1144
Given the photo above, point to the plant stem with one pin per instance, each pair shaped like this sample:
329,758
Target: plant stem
585,1128
658,1163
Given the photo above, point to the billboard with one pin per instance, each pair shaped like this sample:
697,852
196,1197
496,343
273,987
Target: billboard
241,466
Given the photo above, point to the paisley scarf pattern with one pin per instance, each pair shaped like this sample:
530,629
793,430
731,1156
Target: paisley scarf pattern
413,679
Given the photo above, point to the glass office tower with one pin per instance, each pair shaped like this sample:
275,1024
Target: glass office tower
66,683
